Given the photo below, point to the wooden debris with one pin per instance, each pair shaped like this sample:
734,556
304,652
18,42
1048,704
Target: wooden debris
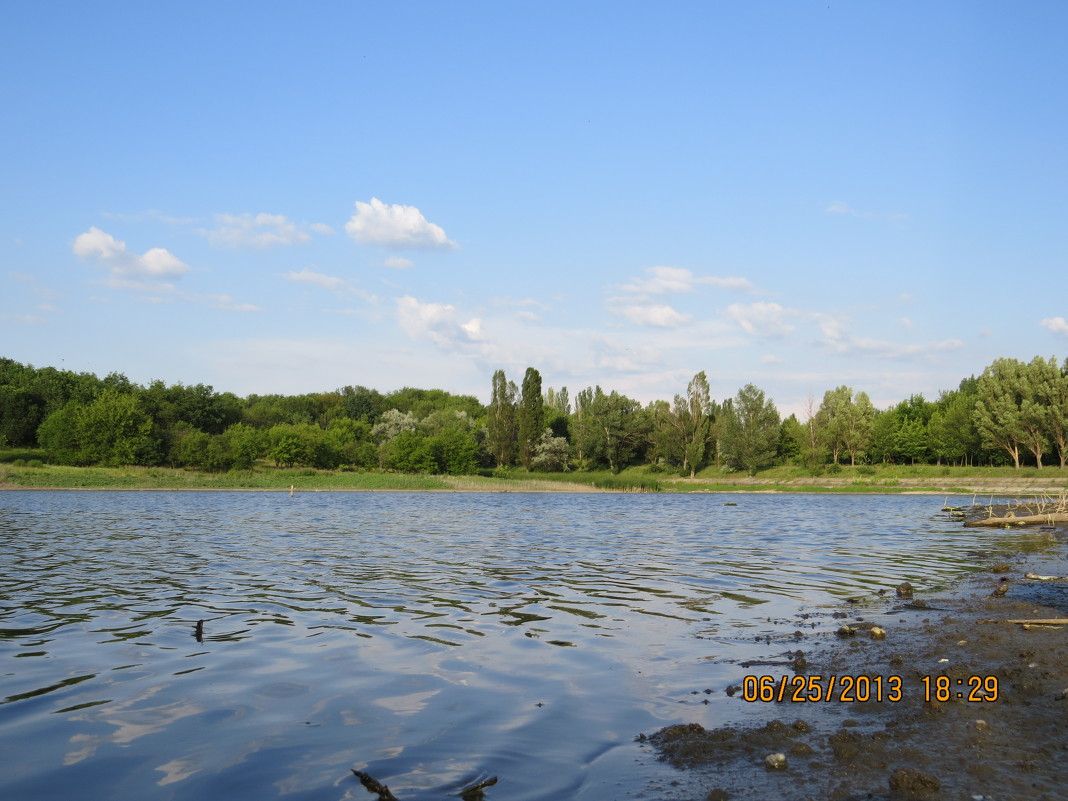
1019,520
374,786
1041,621
1036,577
472,793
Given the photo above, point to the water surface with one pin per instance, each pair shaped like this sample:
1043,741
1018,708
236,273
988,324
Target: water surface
429,639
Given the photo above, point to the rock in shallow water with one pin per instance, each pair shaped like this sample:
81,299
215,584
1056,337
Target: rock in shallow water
910,783
775,762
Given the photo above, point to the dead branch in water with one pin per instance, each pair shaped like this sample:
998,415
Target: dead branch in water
472,793
374,786
1044,510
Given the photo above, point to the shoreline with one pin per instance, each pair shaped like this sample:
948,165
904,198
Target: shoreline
1012,747
996,488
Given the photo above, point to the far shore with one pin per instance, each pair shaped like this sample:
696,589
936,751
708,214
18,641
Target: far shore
889,481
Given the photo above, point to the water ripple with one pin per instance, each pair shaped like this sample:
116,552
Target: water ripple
431,633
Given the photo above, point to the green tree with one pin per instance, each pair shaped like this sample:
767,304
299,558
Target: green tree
245,444
111,430
1055,396
501,431
361,403
613,428
408,452
846,422
951,430
58,434
749,433
999,408
531,416
551,453
792,439
859,423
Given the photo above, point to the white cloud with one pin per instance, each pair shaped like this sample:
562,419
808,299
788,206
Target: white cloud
660,315
1058,325
395,226
838,207
626,358
322,228
111,254
473,328
679,279
320,280
761,319
330,283
905,322
769,359
436,322
227,303
838,339
398,263
255,231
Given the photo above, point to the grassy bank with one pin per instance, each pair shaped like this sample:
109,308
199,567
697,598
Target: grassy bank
28,469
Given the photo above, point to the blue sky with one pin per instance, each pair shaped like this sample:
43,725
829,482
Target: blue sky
283,197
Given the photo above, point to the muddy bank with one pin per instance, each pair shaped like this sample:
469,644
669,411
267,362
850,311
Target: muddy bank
962,704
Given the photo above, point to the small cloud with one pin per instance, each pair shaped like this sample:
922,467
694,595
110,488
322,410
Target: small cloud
1058,325
906,323
660,315
258,231
838,207
320,280
322,228
679,279
111,254
227,303
473,328
398,263
436,322
329,282
26,319
761,319
395,226
769,359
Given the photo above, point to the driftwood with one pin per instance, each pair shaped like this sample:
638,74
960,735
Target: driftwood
1038,621
472,793
1020,520
1036,577
374,786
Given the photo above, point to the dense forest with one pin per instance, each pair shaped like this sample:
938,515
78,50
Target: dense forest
1014,413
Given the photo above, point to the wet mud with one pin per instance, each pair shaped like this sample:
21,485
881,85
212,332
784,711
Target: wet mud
970,706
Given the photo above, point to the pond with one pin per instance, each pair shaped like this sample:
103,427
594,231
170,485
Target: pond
200,645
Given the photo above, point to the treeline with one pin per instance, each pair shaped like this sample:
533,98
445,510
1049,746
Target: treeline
1014,413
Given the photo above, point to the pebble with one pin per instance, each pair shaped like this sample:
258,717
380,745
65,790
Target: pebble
877,633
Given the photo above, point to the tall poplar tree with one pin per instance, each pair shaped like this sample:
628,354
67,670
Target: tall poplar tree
501,434
531,416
